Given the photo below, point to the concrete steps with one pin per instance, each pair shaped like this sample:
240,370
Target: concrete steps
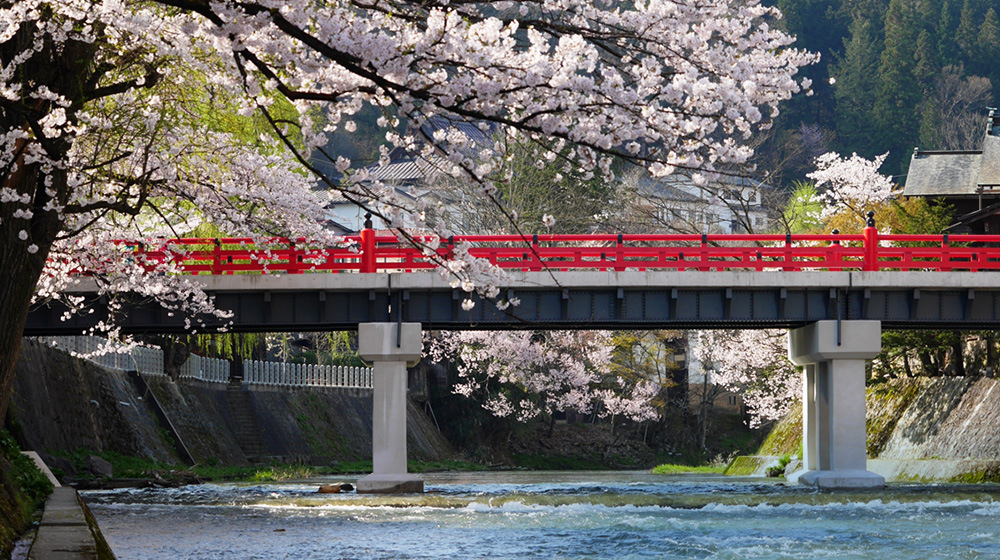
249,434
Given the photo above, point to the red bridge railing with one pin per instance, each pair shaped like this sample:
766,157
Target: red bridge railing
371,253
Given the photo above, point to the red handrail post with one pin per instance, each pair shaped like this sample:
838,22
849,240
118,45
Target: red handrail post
536,262
619,254
833,253
871,245
294,258
945,264
217,257
703,249
368,263
787,256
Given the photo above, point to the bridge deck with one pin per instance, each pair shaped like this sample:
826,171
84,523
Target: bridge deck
573,300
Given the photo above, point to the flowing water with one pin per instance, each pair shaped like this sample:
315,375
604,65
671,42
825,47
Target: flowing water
518,515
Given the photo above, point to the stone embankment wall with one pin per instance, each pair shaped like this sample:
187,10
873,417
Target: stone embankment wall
920,429
61,403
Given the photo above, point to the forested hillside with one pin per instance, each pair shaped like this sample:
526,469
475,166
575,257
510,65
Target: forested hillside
894,75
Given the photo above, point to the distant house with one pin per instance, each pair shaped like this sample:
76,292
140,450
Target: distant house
968,180
412,176
727,204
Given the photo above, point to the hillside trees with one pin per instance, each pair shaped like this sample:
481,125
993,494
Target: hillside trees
98,140
898,91
883,58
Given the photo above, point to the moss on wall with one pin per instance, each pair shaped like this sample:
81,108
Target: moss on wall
747,465
785,438
886,403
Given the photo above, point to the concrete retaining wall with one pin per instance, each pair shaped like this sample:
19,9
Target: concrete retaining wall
61,403
921,429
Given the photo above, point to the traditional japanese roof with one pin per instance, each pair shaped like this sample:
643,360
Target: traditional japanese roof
957,173
480,134
963,222
679,187
667,188
329,196
400,172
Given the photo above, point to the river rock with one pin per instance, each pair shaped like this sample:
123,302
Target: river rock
62,466
99,467
335,488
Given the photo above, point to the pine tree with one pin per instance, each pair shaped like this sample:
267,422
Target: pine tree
988,45
927,65
947,53
856,74
897,93
967,32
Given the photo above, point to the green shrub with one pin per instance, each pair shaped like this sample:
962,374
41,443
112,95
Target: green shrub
32,482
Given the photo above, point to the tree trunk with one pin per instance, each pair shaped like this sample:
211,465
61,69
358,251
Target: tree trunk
21,271
959,357
67,70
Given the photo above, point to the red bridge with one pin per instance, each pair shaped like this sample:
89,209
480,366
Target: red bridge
835,291
370,253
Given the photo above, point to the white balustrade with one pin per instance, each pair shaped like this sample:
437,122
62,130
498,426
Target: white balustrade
149,361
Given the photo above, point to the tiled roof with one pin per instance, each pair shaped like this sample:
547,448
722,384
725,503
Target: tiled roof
957,173
329,196
666,188
408,171
943,173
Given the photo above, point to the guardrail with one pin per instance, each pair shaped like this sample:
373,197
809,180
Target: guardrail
277,374
869,251
149,361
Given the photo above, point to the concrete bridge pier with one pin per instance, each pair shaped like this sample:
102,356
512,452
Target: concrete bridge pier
833,401
390,348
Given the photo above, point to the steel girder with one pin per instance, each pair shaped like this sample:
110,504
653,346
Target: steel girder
549,308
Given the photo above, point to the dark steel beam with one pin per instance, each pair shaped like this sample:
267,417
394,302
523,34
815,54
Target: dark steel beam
551,308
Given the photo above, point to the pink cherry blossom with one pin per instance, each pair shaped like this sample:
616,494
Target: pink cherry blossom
524,374
117,117
754,364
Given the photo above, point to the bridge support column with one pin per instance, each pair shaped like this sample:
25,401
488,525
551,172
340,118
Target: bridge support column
833,401
390,348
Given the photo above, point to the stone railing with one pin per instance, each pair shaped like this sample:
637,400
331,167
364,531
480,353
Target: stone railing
149,361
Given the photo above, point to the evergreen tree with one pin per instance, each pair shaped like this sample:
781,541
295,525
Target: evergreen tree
927,65
897,93
929,11
947,53
988,46
817,27
930,125
967,33
856,74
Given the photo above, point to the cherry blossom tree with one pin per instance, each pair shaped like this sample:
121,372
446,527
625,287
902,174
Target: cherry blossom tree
109,128
754,364
524,374
853,184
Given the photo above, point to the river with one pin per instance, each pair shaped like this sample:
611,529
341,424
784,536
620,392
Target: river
552,515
